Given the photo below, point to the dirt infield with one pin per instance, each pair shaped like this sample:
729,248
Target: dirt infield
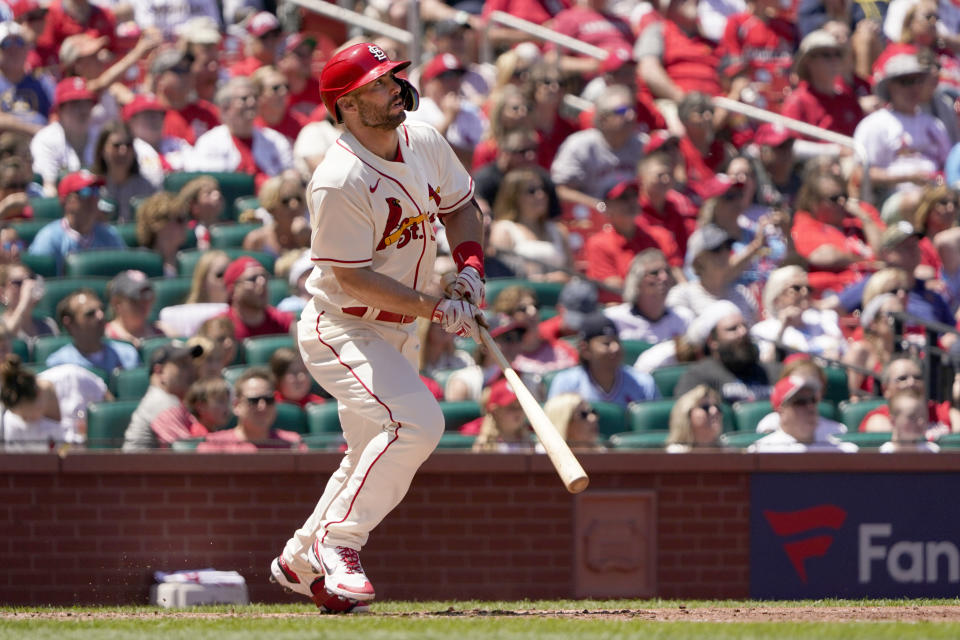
762,613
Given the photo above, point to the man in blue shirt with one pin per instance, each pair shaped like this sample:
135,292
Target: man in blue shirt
601,376
80,228
81,315
24,100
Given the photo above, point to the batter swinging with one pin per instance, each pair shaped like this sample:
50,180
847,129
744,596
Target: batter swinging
372,203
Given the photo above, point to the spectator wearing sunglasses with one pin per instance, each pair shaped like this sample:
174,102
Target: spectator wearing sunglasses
20,291
116,162
255,406
576,421
288,228
905,373
81,315
246,282
803,365
80,229
273,103
161,417
24,101
793,321
696,421
172,80
131,298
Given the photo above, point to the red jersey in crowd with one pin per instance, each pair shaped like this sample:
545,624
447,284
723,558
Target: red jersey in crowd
763,49
274,322
190,122
289,126
609,254
809,234
308,98
60,25
536,11
839,111
935,413
690,61
676,219
246,67
601,29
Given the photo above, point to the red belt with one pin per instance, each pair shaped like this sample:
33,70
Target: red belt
383,316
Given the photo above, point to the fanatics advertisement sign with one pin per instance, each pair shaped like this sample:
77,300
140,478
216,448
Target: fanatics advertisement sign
853,535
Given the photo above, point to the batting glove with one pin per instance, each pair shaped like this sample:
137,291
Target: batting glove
469,286
457,316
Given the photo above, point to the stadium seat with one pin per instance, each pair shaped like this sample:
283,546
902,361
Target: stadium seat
46,208
740,439
232,185
666,378
257,351
128,231
547,292
149,345
456,441
632,350
21,348
324,441
231,373
837,390
227,236
291,417
277,290
41,265
110,262
45,345
950,441
186,444
655,415
852,413
867,440
107,422
28,229
130,384
644,440
169,292
56,289
323,418
457,414
747,415
187,259
245,203
611,418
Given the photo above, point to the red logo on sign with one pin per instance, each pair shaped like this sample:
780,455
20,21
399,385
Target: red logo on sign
792,523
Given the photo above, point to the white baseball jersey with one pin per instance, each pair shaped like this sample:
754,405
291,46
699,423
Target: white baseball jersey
369,212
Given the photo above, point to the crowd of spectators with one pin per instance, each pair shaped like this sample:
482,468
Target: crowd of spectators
633,214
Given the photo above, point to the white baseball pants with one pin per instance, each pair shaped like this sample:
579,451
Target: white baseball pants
390,420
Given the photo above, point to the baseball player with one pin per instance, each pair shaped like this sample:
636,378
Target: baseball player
373,201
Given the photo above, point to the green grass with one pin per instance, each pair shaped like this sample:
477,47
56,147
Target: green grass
460,621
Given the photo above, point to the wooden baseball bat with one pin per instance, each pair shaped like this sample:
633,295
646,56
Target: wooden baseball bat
571,473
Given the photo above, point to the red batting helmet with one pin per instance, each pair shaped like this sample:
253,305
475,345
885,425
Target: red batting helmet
351,69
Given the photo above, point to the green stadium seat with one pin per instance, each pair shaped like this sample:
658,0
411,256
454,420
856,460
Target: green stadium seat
548,293
56,289
747,415
457,414
231,373
187,259
323,418
545,313
666,378
949,441
130,384
655,415
324,441
740,439
128,231
837,390
46,208
257,351
611,418
245,203
456,441
632,350
169,292
643,440
852,413
226,236
441,376
187,444
291,417
41,265
107,422
867,440
277,290
110,262
28,229
232,185
149,345
45,345
21,348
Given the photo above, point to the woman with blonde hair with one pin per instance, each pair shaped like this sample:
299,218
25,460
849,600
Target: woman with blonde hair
162,227
510,110
576,421
504,427
207,297
936,212
283,198
696,420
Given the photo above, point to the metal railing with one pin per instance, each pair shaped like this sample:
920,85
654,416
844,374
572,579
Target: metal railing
366,23
541,33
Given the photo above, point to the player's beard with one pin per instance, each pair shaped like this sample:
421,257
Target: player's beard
379,118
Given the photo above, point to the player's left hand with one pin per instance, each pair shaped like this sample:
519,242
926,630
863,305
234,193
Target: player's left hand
469,286
458,317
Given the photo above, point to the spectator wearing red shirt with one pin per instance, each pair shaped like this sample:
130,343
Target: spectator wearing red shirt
674,57
68,18
760,44
590,21
819,99
293,379
904,373
662,207
609,252
295,63
264,31
172,77
273,103
836,235
509,110
246,282
936,212
32,18
536,11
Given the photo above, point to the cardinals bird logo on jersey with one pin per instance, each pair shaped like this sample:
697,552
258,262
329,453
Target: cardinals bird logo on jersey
396,231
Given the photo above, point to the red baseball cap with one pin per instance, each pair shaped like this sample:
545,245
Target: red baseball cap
72,90
142,102
294,40
76,181
20,8
441,64
772,135
788,387
501,395
658,139
262,23
235,269
622,187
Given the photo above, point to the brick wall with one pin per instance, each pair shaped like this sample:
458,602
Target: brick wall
91,527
